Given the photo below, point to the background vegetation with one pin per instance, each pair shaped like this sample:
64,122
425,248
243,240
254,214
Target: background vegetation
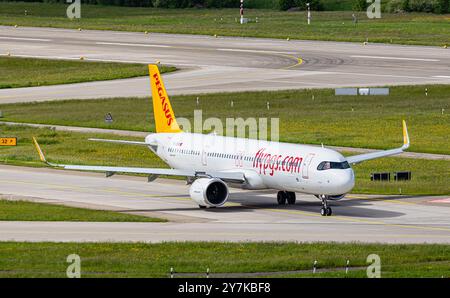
31,211
306,116
436,6
22,259
27,72
404,28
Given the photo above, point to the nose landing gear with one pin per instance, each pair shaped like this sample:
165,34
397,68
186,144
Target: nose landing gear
325,211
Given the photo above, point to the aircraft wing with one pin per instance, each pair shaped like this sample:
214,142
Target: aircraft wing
373,155
153,172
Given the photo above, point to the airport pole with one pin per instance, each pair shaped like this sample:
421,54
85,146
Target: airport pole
314,266
309,13
242,11
171,272
346,267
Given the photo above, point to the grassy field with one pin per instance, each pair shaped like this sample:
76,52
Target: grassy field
414,28
429,177
65,147
19,259
362,121
27,72
31,211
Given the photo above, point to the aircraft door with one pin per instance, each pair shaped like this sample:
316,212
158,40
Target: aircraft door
204,157
307,165
239,161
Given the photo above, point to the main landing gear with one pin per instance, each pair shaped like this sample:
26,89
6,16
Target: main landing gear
286,196
325,211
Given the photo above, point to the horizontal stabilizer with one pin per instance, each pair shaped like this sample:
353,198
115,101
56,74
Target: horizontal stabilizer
120,142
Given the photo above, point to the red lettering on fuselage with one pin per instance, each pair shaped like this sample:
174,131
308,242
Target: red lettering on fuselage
269,163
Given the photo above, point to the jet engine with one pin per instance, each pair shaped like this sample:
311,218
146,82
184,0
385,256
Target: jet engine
209,192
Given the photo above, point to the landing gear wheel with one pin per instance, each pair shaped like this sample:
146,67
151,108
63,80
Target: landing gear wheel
281,198
290,198
325,211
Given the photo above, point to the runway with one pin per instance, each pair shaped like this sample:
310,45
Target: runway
209,64
248,216
221,64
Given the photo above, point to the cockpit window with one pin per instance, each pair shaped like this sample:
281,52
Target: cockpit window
326,165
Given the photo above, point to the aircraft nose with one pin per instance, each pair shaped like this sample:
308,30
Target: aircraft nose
347,180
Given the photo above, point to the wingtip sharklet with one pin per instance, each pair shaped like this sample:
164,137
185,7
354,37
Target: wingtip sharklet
405,136
39,150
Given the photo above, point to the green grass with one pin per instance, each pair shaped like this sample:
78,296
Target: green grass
429,177
29,72
65,147
375,121
414,28
31,211
21,259
338,5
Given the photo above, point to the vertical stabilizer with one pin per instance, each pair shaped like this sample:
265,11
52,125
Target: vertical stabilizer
165,120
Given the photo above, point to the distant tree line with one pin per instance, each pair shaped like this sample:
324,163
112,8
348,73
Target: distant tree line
153,3
301,4
434,6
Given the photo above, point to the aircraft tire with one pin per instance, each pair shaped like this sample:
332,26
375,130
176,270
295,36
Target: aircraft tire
323,212
281,198
291,198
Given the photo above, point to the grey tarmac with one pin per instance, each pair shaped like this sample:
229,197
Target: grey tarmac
222,64
248,216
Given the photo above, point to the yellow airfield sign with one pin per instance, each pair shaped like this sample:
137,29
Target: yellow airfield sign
8,141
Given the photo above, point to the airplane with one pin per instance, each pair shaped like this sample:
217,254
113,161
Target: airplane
212,163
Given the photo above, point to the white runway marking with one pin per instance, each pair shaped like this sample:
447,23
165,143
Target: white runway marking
25,39
442,77
133,44
256,51
396,58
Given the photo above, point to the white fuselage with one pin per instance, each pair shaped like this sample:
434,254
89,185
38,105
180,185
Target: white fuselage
272,165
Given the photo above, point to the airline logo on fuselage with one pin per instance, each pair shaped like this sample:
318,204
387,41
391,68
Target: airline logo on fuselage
268,163
164,103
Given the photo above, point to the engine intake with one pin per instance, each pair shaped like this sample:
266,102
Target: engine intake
209,192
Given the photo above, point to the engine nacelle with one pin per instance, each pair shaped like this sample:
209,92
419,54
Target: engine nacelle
336,198
209,192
